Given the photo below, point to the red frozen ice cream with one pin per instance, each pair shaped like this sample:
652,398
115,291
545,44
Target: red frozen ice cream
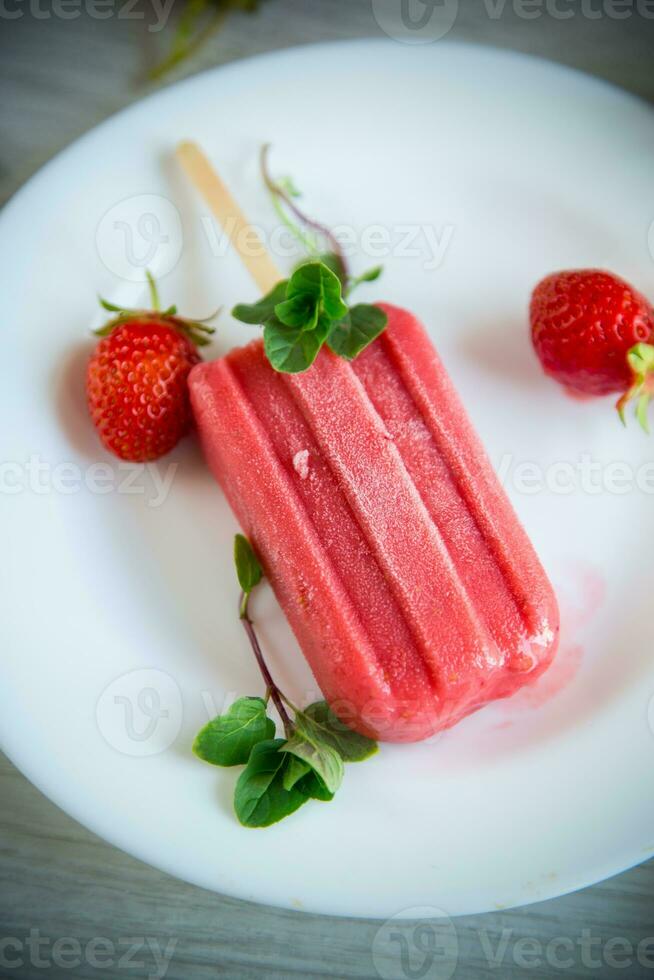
404,572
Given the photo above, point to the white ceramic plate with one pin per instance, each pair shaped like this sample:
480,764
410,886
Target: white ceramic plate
119,634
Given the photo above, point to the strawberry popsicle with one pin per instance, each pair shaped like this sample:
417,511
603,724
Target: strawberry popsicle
394,552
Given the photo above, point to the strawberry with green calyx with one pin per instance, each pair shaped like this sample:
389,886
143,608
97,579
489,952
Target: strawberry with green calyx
137,378
641,361
594,334
197,331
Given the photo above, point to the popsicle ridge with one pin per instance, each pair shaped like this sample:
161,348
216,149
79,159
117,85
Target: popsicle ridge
320,492
391,515
440,406
449,464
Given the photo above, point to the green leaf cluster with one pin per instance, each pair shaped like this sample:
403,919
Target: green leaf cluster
308,310
280,774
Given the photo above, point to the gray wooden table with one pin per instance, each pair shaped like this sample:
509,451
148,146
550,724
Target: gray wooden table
61,887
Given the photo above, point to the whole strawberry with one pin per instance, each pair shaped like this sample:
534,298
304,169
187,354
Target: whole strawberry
592,331
583,325
136,379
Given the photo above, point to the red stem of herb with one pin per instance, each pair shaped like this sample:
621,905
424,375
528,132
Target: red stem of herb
248,626
274,188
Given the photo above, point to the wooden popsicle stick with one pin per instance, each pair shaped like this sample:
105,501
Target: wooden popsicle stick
234,223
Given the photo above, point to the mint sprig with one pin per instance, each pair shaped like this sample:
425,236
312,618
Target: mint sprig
310,308
280,774
306,311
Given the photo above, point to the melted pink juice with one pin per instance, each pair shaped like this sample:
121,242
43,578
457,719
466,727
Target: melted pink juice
412,588
574,617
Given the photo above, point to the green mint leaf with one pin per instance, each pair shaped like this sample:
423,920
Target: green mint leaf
260,798
371,274
248,569
313,786
352,334
323,759
257,313
300,773
335,263
292,349
229,739
300,311
323,723
294,771
319,281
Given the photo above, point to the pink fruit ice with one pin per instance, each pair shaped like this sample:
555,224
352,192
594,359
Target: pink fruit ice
404,572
